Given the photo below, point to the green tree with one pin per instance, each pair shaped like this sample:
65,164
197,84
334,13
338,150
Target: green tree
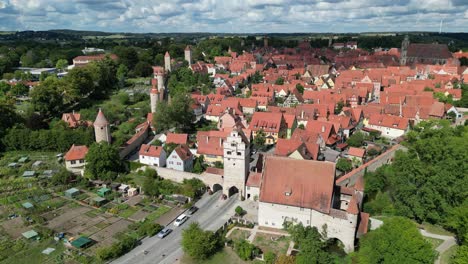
192,188
47,98
339,107
269,257
239,211
200,244
397,241
245,250
457,220
8,118
178,114
279,81
151,183
103,162
300,88
62,177
260,139
199,165
461,256
122,73
143,69
218,164
61,64
312,248
356,139
344,165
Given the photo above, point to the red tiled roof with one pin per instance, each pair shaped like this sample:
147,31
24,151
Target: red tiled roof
254,179
269,122
356,152
176,138
72,119
299,183
388,121
211,142
150,151
100,119
95,57
214,171
76,153
183,152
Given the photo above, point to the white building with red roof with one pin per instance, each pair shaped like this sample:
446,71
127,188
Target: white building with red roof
152,155
272,124
75,159
303,191
180,159
390,126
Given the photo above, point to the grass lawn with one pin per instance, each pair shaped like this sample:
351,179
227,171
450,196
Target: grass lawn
278,245
436,229
225,256
93,213
239,234
445,258
434,241
156,214
128,212
33,253
137,179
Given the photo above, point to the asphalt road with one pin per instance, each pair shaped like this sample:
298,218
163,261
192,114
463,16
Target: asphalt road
212,214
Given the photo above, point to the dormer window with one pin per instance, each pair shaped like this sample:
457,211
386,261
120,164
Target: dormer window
287,193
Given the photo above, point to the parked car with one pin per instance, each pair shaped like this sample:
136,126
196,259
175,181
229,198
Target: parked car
192,210
180,220
163,233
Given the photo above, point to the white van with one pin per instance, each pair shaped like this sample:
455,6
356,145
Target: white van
180,220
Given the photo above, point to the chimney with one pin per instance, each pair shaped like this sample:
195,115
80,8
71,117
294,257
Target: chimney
323,129
302,114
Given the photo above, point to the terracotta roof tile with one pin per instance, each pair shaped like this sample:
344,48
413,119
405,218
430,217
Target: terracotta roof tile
150,151
356,152
176,138
300,183
76,153
254,179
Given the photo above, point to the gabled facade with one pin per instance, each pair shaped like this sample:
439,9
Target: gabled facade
152,155
180,159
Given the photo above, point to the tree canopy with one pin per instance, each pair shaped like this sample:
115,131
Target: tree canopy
397,241
428,181
103,162
177,114
200,244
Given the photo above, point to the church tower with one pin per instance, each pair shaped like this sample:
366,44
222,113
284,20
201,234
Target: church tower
188,54
404,51
236,162
102,128
265,42
154,98
167,62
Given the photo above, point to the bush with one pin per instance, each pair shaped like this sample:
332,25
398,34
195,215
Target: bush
239,211
148,229
269,257
245,250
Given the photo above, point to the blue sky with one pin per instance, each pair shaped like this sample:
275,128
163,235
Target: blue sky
235,16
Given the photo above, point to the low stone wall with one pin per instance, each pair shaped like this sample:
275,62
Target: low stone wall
350,178
179,176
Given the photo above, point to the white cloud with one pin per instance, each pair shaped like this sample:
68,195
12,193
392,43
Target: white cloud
234,15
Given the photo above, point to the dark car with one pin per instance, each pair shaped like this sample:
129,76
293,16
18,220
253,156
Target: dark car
163,233
192,210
